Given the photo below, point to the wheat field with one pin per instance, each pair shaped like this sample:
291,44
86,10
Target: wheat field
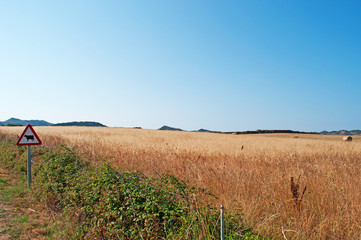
248,173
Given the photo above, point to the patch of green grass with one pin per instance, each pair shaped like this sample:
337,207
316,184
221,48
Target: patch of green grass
3,180
4,231
22,219
15,233
58,230
10,194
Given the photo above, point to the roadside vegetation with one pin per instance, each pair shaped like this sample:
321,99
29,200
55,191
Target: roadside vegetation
249,174
18,217
88,200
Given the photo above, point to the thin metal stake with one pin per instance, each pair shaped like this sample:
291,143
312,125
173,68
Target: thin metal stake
29,166
222,222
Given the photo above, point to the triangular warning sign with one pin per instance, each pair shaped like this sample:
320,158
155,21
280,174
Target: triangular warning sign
28,137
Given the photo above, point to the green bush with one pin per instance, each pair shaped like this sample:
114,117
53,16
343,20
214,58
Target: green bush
108,204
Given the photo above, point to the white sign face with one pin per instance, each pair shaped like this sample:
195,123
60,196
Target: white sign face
29,137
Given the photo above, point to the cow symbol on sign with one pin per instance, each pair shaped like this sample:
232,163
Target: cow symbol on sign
29,137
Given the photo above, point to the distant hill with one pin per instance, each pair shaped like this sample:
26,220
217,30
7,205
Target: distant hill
270,131
239,132
342,132
170,128
19,122
81,124
206,130
203,130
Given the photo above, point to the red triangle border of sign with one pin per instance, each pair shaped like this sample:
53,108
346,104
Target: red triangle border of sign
22,135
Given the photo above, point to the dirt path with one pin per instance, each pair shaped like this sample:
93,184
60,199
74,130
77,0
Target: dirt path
20,216
4,214
5,209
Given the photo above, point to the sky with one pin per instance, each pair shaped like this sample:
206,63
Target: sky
190,64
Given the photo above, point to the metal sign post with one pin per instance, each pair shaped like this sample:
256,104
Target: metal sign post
222,222
28,138
29,166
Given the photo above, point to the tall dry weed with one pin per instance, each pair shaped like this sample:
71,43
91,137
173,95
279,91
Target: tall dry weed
296,194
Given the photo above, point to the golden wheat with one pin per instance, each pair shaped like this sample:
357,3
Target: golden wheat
250,172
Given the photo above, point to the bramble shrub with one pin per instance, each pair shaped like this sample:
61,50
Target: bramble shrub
109,204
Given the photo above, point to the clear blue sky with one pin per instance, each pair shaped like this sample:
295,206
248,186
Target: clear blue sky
220,65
